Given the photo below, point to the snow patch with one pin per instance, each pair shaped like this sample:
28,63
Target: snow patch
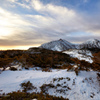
80,54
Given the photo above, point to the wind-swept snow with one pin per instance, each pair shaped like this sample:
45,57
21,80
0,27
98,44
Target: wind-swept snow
85,86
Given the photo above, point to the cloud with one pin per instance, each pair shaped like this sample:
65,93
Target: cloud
10,23
15,3
62,20
23,5
48,22
12,0
59,18
52,10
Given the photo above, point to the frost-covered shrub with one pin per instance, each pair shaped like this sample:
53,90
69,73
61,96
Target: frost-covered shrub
60,79
68,79
54,79
45,87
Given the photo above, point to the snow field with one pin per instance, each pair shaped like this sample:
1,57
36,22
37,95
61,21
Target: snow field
85,86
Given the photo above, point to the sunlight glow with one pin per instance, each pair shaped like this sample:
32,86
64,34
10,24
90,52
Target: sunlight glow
17,47
5,31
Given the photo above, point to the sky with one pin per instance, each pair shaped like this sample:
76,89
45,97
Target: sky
30,23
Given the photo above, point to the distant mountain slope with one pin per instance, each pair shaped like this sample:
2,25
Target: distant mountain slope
63,45
80,54
58,45
90,44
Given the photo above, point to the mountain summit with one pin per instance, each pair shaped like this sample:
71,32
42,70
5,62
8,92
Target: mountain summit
89,44
58,45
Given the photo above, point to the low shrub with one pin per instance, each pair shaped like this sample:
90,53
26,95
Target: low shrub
30,96
58,85
68,79
26,86
26,68
44,88
46,70
13,68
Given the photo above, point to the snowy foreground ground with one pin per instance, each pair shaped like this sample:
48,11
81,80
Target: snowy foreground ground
85,86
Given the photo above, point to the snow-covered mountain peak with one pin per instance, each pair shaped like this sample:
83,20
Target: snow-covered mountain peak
92,43
58,45
63,45
60,40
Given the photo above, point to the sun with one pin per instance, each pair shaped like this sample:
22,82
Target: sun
5,31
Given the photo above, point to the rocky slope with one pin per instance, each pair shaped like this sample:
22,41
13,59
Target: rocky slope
58,45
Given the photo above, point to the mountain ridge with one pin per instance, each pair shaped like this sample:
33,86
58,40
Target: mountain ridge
89,44
58,45
62,45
